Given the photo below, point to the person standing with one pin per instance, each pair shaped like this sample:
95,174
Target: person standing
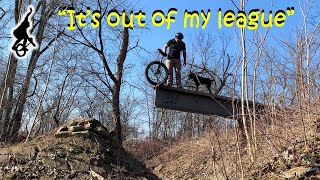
176,46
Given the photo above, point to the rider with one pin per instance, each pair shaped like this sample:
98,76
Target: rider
21,32
175,45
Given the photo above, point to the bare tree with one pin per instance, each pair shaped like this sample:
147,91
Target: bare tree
11,110
112,67
209,61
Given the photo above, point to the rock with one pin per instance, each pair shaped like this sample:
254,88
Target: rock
285,154
49,162
96,175
73,124
34,153
4,152
62,164
295,172
63,128
3,158
99,170
82,121
88,126
81,127
101,131
79,166
46,178
62,134
85,133
290,149
76,128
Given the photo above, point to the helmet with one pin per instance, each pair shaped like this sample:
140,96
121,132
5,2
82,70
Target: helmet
179,35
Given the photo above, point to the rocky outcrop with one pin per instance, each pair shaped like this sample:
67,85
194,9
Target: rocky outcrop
82,127
295,162
81,149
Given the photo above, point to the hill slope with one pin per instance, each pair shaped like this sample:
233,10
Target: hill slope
208,158
83,149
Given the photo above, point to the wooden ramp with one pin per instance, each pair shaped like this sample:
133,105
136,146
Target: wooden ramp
198,102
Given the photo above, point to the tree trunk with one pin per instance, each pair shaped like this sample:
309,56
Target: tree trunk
6,100
117,86
301,88
17,114
116,112
7,97
244,87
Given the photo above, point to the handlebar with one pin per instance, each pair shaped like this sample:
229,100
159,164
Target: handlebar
162,53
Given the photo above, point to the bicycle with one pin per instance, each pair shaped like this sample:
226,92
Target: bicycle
156,72
21,48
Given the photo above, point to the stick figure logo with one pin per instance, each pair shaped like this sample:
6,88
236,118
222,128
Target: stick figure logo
23,36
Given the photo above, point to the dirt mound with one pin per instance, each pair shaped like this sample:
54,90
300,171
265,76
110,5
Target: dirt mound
82,149
299,161
197,158
295,162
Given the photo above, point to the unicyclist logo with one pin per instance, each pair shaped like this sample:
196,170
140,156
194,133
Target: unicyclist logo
23,39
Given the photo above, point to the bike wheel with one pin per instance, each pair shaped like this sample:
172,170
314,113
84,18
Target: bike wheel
156,73
21,50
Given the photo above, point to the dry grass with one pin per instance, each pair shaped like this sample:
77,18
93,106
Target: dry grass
215,156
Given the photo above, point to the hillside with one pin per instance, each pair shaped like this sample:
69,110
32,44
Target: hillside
82,149
218,157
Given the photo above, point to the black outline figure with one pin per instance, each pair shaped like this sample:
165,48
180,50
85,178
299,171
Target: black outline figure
21,33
